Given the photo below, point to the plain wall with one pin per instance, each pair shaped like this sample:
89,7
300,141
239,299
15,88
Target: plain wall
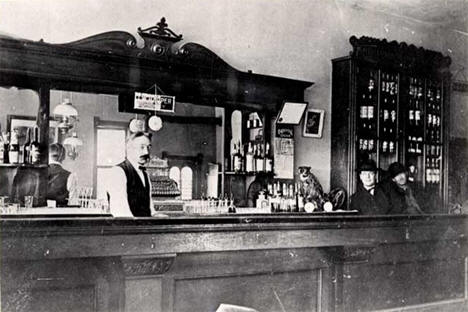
295,39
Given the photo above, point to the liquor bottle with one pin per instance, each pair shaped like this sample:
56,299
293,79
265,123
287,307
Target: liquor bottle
386,115
249,165
268,158
384,147
410,145
419,146
2,148
26,155
13,152
391,147
259,161
417,117
254,158
393,116
370,145
237,162
411,117
6,146
34,147
233,152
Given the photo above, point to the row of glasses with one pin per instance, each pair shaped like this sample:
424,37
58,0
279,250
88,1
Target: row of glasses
14,208
208,206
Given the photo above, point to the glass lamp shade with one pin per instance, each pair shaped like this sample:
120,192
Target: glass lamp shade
66,109
73,140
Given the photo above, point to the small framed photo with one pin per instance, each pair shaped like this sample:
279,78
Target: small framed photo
313,123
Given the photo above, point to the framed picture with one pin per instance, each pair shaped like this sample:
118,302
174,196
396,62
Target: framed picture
22,123
291,113
313,123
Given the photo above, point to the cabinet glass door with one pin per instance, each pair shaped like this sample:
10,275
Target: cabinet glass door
433,136
388,118
367,106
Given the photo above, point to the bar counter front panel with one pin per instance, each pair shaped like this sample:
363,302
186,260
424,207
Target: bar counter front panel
289,262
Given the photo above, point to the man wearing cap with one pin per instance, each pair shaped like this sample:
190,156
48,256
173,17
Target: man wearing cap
369,197
129,188
400,194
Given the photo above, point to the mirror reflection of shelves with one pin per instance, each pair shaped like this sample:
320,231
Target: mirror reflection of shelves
248,155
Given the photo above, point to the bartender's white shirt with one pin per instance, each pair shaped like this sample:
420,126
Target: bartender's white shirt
117,188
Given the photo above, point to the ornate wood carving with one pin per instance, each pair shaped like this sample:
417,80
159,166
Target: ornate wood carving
146,265
160,31
407,57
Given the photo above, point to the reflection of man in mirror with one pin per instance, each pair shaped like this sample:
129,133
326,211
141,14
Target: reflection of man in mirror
312,125
60,181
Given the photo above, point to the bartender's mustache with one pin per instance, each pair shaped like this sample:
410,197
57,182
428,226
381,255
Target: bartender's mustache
144,157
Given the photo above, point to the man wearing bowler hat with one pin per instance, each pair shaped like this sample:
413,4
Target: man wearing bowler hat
400,194
369,199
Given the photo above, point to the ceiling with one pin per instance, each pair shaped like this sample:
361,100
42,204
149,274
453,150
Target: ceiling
446,13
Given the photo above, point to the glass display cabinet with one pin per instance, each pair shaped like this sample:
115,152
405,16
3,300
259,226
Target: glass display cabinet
390,104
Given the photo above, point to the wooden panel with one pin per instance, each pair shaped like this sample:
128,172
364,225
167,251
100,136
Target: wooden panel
78,299
61,285
143,294
391,285
291,291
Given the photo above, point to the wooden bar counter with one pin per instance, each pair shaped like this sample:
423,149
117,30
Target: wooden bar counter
282,262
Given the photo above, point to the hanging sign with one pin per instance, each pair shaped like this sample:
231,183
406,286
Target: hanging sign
154,102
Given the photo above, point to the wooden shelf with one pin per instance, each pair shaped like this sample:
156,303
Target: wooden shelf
243,173
23,166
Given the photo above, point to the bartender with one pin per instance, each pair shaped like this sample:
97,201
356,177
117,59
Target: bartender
129,188
60,181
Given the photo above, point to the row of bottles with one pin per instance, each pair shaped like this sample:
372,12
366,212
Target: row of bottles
282,197
433,170
12,152
251,158
388,111
368,107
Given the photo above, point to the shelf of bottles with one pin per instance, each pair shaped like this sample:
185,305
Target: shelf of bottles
433,134
367,100
388,118
254,155
414,117
18,152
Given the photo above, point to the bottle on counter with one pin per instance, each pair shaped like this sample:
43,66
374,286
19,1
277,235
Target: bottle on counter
13,152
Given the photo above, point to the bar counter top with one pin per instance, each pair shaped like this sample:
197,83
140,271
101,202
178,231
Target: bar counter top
240,232
311,262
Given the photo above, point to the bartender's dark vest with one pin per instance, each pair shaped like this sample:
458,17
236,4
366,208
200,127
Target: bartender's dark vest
138,194
57,184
